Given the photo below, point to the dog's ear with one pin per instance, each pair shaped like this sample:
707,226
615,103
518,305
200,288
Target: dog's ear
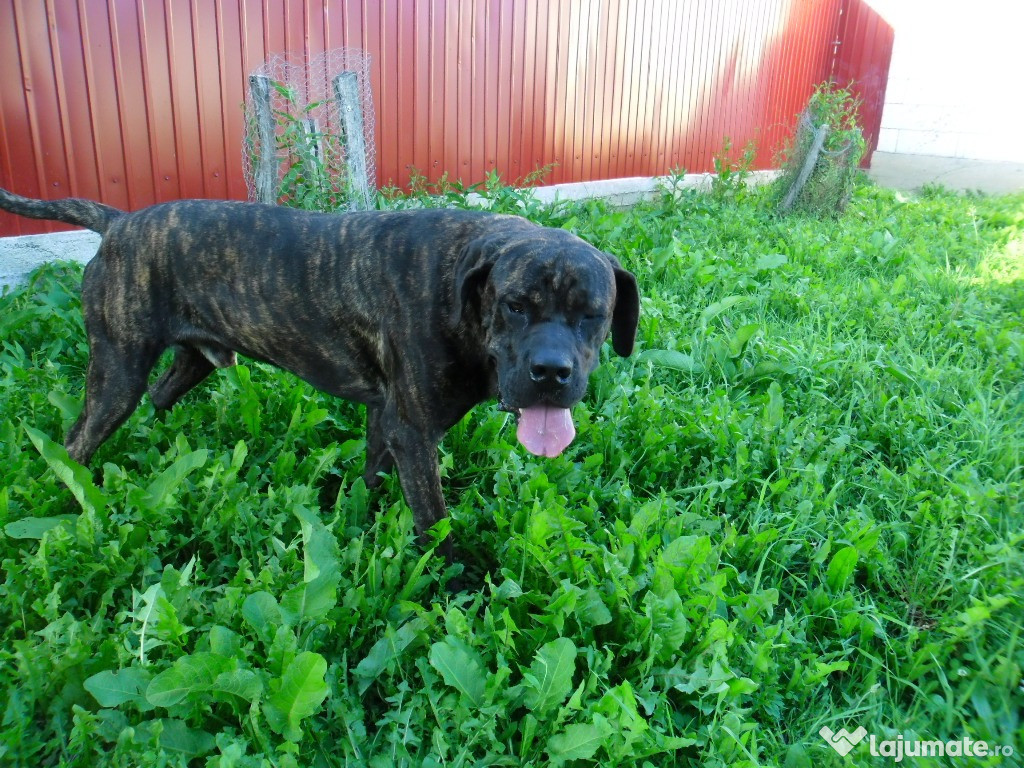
472,268
626,314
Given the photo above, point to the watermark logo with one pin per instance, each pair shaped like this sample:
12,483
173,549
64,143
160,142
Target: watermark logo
844,741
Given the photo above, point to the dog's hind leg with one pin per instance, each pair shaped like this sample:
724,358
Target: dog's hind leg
190,366
114,384
378,455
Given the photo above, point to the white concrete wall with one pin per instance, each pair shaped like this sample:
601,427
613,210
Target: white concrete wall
956,82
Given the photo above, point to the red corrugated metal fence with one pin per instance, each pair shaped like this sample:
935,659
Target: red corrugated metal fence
863,51
135,102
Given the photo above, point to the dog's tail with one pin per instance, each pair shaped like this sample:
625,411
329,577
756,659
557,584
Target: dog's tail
70,210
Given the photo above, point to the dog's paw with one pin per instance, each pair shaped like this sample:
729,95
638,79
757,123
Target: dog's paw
453,579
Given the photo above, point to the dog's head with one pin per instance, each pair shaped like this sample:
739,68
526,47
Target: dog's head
545,301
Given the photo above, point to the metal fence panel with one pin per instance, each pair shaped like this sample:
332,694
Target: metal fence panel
134,102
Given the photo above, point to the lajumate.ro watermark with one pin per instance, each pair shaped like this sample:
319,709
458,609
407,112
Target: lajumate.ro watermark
844,742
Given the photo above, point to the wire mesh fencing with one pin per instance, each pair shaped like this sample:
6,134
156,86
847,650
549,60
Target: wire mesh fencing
309,139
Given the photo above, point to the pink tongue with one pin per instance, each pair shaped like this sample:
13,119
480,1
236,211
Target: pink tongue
544,430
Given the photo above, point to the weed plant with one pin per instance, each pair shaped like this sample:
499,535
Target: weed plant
731,179
828,188
797,506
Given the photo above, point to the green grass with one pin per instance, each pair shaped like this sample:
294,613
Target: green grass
797,506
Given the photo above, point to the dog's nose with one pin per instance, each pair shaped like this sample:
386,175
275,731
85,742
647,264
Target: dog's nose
551,368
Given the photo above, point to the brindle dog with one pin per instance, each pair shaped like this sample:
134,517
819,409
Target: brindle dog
419,314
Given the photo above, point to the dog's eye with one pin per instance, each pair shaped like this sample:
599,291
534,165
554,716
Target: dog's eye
515,307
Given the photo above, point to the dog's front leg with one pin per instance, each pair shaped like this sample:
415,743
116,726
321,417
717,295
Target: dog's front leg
414,449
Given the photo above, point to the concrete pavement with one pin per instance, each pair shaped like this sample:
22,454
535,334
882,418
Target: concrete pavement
911,172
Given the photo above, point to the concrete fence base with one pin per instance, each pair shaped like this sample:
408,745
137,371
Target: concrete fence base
20,255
